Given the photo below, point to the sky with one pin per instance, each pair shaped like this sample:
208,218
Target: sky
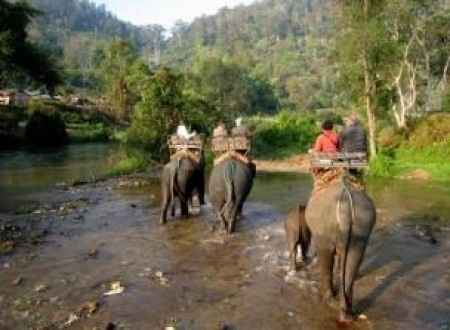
165,12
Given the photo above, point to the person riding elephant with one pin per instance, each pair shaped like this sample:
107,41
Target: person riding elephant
353,138
220,131
230,183
328,140
239,129
340,219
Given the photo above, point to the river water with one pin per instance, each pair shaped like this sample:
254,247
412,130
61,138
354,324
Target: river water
24,173
183,274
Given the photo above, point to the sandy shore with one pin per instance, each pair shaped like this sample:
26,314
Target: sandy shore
297,164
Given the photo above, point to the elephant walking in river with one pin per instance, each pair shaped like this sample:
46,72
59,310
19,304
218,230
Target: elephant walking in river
341,220
229,185
179,179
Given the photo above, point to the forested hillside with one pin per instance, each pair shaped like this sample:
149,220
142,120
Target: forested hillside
74,31
289,42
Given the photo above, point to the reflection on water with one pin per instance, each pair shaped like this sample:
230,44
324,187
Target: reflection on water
400,198
24,173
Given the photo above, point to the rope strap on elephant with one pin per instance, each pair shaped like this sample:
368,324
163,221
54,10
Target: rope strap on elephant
179,155
324,178
232,155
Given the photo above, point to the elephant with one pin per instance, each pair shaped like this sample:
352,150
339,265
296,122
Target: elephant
230,183
180,178
340,218
297,234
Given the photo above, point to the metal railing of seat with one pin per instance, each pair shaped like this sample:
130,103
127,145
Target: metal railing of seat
177,143
356,160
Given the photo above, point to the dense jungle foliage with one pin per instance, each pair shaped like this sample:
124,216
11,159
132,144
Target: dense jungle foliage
386,60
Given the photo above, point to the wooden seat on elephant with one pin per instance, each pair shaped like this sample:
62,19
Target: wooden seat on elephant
234,147
324,160
180,147
224,144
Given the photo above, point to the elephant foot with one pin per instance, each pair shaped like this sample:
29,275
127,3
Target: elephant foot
293,268
329,298
345,318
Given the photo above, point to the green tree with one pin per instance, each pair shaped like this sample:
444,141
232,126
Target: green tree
19,58
228,90
115,66
159,111
365,53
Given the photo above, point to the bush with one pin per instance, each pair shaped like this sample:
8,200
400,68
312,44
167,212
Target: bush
390,138
431,130
381,165
81,133
45,127
283,135
135,161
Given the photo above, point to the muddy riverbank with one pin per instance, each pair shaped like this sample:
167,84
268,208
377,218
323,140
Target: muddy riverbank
77,242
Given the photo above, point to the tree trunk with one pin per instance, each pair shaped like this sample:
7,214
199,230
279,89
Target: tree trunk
369,93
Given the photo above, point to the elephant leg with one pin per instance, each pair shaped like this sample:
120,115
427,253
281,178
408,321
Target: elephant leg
305,241
184,207
326,261
232,218
173,207
164,208
293,255
201,190
354,258
223,221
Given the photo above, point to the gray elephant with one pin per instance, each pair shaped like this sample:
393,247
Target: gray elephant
179,179
297,234
229,185
341,220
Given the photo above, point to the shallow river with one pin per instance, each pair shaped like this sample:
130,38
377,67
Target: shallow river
183,274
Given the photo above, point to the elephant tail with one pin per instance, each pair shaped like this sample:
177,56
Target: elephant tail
229,170
345,223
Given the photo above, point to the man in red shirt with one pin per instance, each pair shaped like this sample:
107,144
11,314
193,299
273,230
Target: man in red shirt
328,141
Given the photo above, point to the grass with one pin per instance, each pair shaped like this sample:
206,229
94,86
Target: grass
131,164
87,132
425,147
434,160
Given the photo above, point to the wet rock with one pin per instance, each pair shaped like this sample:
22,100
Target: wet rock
89,308
110,326
71,320
18,281
7,246
426,234
164,281
41,288
54,300
93,253
116,288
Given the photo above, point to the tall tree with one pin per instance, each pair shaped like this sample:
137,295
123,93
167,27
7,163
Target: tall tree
365,53
118,59
18,56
